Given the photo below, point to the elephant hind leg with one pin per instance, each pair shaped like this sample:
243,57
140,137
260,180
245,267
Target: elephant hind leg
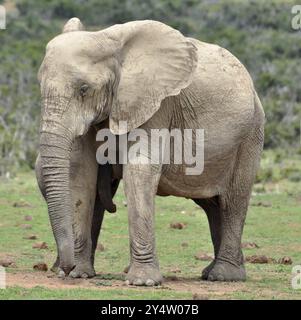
212,210
96,225
107,186
229,264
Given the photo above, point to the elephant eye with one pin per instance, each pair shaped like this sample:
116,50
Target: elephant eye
83,90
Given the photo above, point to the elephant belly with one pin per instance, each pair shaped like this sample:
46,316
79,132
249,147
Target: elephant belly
212,181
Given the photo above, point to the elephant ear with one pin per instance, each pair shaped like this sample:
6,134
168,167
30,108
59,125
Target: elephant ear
156,61
73,24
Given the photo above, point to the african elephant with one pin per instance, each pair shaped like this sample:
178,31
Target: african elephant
150,76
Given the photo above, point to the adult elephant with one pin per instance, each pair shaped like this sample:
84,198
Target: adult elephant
151,76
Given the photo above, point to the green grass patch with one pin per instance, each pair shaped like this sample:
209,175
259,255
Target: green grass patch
273,223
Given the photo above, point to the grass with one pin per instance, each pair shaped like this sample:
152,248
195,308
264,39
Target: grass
273,222
39,292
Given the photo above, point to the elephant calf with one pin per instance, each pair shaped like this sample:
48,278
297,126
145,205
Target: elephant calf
152,77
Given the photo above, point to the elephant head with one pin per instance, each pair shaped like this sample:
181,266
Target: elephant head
122,72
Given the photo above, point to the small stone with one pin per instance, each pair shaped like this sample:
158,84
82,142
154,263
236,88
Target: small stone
261,204
285,260
7,263
257,259
40,245
203,256
175,270
27,218
178,225
40,266
100,247
21,204
26,226
30,237
197,296
249,245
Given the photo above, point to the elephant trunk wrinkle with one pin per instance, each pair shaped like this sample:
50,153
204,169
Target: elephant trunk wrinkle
55,151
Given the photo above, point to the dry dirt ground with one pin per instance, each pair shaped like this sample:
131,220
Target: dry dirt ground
198,289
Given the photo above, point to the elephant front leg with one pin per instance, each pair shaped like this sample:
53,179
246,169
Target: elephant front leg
140,187
83,242
83,182
96,226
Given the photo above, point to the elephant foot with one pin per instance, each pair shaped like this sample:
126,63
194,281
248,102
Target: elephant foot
83,270
207,270
143,275
225,271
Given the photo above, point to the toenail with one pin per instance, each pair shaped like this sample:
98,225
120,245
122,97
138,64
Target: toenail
138,282
150,282
61,274
220,278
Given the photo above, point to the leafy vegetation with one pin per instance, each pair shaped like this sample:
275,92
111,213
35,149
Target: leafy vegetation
258,32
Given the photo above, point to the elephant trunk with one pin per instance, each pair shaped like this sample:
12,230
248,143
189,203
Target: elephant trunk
55,150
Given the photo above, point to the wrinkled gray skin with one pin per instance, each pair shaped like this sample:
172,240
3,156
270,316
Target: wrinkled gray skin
151,76
88,209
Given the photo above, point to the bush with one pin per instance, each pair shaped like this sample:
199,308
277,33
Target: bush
257,32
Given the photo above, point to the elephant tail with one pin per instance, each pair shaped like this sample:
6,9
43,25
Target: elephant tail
259,121
259,111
